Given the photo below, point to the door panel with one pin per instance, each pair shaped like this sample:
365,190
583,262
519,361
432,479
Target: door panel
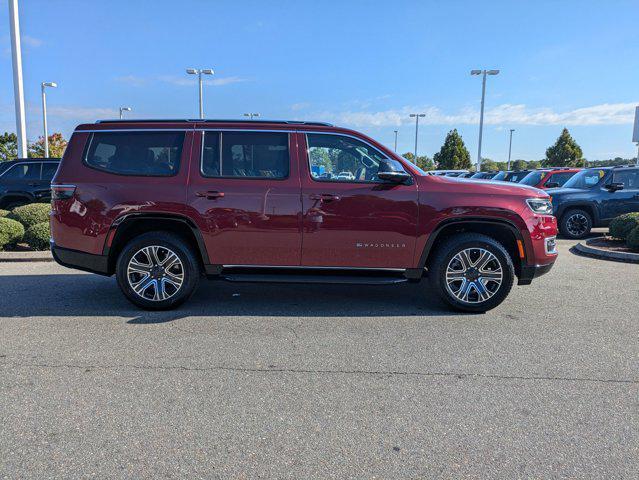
622,201
248,213
352,219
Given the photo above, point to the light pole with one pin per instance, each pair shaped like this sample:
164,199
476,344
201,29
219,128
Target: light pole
510,147
251,115
481,114
395,149
124,109
199,73
416,115
44,85
18,88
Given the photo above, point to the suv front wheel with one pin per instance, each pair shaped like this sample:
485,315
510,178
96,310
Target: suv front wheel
472,272
157,271
575,223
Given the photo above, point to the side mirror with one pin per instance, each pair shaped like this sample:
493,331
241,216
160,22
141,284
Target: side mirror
613,187
551,185
395,177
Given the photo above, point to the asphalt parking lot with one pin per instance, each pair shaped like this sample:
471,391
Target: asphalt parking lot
299,381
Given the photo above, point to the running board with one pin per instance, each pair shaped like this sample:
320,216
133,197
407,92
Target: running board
292,278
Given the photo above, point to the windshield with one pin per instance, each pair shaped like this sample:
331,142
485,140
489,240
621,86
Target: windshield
533,178
500,176
586,179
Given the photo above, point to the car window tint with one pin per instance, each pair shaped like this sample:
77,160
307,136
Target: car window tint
561,178
23,171
48,170
629,178
136,153
245,155
337,158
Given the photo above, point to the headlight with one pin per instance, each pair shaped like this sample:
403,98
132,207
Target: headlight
542,206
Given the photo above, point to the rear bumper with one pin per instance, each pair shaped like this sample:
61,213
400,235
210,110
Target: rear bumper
528,272
87,262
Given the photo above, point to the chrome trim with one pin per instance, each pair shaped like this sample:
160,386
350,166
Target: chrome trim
305,267
115,130
474,276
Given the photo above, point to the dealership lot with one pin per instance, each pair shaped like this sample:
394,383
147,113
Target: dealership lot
304,381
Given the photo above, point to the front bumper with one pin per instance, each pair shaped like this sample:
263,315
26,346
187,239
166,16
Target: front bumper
87,262
528,272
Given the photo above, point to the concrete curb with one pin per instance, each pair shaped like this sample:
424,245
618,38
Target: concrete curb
595,252
26,257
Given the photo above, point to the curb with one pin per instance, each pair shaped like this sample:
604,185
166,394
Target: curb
26,257
595,252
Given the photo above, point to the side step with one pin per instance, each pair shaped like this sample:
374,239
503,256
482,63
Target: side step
292,278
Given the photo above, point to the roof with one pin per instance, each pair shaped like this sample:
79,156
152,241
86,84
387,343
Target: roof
184,120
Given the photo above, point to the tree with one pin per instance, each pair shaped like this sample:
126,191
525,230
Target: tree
519,165
564,153
57,145
425,163
453,155
409,156
8,147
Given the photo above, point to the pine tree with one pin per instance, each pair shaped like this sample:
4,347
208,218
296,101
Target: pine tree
453,155
564,153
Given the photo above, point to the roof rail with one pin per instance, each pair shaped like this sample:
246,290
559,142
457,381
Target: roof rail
198,120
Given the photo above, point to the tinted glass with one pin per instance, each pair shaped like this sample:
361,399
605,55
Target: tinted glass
136,153
533,178
23,171
561,178
586,178
500,176
336,158
517,177
245,155
629,178
48,170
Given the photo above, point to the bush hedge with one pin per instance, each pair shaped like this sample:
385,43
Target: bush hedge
4,213
37,236
622,225
633,239
29,215
11,232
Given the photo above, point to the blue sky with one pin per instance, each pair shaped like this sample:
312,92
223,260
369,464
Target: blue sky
361,64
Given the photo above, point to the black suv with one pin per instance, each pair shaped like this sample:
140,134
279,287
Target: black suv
593,197
26,180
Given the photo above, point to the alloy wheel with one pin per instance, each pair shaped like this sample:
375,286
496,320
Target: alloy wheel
155,273
577,225
474,275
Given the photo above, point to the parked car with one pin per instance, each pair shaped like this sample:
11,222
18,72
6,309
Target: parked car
159,203
549,177
448,173
593,197
26,180
483,175
515,176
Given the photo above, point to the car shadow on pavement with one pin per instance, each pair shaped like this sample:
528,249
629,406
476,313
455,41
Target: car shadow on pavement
81,295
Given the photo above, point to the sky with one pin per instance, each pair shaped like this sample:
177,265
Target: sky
360,64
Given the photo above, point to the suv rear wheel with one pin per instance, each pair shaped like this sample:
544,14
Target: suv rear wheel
575,223
472,272
157,271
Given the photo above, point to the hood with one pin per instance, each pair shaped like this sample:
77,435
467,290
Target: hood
487,187
565,191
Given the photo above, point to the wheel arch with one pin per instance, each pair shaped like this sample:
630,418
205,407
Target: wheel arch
10,197
585,206
129,226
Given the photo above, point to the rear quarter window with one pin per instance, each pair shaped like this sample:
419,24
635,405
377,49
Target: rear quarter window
152,154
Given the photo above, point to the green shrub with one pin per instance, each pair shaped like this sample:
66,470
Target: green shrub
622,225
37,236
11,232
633,239
4,213
29,215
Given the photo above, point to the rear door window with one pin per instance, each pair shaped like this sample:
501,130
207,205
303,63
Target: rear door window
48,170
23,171
245,155
154,154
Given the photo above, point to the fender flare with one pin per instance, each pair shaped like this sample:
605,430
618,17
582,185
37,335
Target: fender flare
584,205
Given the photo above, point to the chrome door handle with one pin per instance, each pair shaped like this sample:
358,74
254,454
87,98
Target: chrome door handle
210,195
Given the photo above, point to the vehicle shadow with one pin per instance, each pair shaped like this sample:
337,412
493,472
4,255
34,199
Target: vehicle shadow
81,295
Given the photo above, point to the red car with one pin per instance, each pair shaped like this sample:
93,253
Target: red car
549,178
162,203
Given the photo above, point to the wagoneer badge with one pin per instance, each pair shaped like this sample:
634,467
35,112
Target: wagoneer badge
380,245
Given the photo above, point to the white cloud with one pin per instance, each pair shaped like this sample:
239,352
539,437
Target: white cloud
511,114
29,41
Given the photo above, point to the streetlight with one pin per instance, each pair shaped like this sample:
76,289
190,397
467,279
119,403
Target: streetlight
18,87
251,115
124,109
44,85
395,149
510,146
416,115
481,115
199,73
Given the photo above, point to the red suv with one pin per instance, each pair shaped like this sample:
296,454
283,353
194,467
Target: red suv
162,203
549,178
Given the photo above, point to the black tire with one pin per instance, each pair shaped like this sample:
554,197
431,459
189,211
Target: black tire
188,266
575,223
494,291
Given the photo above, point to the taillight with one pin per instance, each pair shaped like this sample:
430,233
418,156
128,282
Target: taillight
62,192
